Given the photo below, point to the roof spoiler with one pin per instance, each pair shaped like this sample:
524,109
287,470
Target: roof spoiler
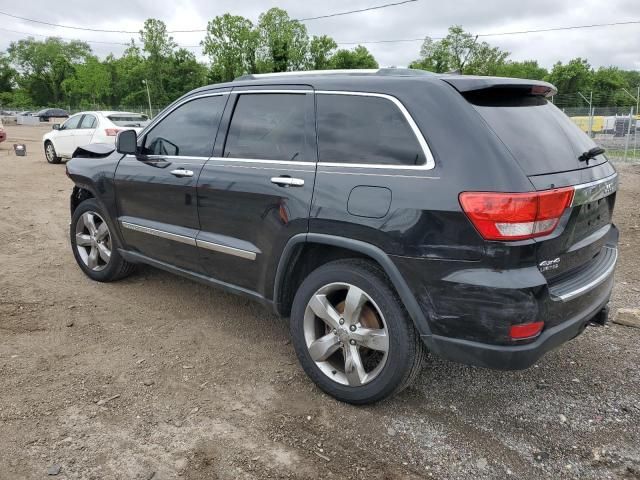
469,83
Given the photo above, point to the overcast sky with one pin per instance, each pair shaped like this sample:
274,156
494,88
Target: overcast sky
616,45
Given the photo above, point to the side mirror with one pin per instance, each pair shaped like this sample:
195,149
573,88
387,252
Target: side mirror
56,126
127,142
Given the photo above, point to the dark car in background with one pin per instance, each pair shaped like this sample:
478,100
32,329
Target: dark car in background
385,212
47,113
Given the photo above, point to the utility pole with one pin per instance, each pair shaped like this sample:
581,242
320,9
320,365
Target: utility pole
146,83
590,102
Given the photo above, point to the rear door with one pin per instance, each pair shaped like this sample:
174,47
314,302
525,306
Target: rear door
255,193
156,189
548,145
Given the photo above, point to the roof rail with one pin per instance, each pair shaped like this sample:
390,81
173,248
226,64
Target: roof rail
391,71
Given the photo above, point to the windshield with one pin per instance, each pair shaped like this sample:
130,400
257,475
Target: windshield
539,135
129,119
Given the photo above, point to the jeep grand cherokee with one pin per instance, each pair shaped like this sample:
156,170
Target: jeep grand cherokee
386,213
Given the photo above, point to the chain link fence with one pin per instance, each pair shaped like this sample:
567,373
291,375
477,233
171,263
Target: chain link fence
616,128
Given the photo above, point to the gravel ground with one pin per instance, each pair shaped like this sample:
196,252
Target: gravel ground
159,377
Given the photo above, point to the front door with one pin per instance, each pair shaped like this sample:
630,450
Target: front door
156,189
255,193
64,141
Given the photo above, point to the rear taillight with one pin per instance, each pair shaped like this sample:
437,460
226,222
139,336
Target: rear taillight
516,216
111,132
525,330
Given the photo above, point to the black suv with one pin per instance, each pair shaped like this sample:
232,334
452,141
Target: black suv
386,212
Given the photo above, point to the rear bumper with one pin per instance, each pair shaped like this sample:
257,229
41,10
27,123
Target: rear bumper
516,357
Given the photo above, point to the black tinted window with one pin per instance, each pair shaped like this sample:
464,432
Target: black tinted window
189,130
362,129
268,126
88,121
540,137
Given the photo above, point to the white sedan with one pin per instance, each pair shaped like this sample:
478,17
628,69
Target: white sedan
85,128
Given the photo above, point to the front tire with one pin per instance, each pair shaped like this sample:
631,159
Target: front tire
50,152
94,246
352,334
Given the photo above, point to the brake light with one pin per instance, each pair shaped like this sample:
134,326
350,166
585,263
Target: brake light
525,330
111,132
516,216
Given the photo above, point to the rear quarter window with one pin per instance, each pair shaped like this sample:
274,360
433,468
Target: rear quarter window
361,129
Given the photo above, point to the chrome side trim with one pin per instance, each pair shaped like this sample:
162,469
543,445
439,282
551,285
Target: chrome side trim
256,160
159,233
593,283
430,161
216,247
592,191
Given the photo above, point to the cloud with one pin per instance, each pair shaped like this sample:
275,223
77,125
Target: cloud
603,46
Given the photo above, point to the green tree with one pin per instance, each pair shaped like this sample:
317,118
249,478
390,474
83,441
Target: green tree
7,74
460,51
320,49
526,69
157,48
574,77
44,65
231,43
359,57
283,42
186,73
90,84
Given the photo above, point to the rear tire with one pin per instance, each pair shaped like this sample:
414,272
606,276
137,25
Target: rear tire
50,152
94,246
364,348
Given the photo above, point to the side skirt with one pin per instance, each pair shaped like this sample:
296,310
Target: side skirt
135,257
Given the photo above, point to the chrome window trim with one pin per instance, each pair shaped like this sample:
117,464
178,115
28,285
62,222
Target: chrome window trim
592,191
274,90
260,160
430,161
593,283
236,252
159,233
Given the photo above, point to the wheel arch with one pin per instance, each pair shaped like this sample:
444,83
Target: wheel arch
294,265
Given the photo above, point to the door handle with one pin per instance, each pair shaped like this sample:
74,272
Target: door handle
288,181
181,172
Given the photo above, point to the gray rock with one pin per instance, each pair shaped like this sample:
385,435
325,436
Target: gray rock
482,463
629,317
54,469
148,382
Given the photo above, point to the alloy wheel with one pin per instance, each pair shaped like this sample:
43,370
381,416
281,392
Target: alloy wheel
50,152
346,334
93,241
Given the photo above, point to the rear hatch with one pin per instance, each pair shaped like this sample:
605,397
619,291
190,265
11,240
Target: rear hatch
550,149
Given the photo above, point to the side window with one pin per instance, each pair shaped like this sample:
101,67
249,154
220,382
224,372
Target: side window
364,129
188,131
72,123
88,121
269,126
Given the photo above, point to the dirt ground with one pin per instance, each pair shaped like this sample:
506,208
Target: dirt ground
159,377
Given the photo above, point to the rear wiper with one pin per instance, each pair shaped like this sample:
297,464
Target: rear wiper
588,155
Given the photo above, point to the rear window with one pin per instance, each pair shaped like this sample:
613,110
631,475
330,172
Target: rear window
540,137
129,120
